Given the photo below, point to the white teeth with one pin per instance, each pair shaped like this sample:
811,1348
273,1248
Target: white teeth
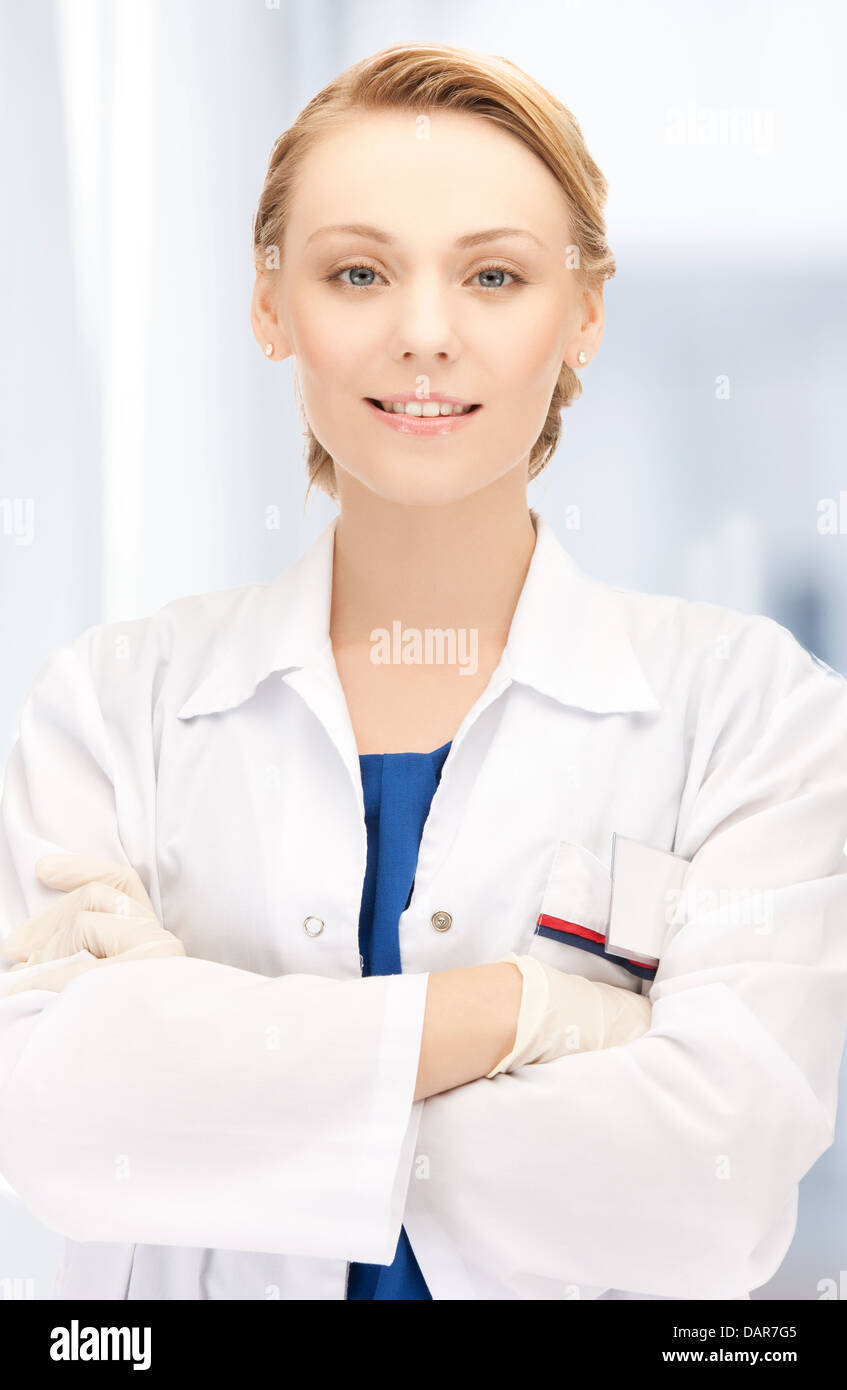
424,408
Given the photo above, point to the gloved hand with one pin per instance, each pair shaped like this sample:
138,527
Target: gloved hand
562,1013
106,915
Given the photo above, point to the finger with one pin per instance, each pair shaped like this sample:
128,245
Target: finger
165,946
63,975
35,936
108,935
68,871
152,950
19,943
103,897
55,979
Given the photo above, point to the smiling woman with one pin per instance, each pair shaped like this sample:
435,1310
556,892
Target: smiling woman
387,214
438,1014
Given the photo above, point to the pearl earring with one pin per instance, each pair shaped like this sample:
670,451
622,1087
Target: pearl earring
269,349
582,358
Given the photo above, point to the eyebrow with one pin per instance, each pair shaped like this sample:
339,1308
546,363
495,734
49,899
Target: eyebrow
463,242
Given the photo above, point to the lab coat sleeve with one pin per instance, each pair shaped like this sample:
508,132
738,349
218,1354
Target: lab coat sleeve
181,1101
669,1167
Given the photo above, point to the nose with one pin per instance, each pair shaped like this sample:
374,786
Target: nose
425,327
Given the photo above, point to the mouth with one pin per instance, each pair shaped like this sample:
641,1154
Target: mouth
423,410
423,419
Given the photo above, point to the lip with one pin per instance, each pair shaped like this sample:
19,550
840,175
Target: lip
423,425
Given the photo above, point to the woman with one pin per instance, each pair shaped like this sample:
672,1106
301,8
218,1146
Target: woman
516,973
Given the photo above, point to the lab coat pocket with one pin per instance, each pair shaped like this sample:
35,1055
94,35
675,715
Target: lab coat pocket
572,924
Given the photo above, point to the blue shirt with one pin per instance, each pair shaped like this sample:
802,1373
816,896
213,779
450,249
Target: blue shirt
398,789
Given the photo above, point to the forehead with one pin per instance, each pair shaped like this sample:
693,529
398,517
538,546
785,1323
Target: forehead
424,176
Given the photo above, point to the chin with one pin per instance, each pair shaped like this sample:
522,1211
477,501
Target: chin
418,488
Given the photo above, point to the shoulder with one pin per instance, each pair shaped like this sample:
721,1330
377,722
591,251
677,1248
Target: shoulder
717,660
761,724
131,664
694,655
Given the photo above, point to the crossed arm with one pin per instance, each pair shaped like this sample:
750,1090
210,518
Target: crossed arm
478,1020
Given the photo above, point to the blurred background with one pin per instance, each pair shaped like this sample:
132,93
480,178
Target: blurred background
143,436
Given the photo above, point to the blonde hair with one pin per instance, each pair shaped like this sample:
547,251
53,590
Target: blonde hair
423,77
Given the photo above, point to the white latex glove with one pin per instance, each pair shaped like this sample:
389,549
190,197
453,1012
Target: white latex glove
105,917
562,1013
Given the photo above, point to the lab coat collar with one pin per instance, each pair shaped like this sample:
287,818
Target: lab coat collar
568,638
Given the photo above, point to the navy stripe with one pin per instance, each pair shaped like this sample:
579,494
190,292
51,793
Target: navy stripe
644,972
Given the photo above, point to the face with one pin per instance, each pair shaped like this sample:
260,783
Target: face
426,296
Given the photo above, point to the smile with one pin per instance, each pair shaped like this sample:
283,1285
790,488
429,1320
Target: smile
423,417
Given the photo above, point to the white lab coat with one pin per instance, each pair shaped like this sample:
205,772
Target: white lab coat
240,1123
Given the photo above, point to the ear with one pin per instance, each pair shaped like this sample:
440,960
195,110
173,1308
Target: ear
265,316
590,334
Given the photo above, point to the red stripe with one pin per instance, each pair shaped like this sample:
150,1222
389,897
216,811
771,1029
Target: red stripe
559,924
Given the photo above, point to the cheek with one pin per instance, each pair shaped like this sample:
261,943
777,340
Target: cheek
331,345
529,357
317,344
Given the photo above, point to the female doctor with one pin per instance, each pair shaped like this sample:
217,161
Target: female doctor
472,929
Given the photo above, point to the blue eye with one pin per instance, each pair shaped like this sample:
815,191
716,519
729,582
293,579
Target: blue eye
356,270
500,270
494,270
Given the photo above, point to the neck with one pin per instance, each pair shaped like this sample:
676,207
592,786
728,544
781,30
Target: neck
460,565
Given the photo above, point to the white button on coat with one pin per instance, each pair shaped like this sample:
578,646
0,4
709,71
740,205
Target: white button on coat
239,1123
